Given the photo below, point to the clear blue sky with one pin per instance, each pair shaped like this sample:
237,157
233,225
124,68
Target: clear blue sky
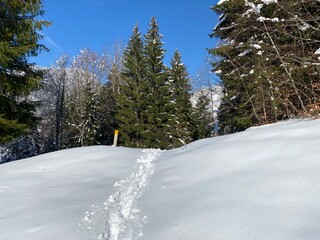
97,24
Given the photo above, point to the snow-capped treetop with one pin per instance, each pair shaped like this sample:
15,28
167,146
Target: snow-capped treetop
222,1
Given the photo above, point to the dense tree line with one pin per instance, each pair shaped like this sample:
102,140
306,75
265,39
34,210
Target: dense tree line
154,107
131,90
268,60
77,102
82,101
19,36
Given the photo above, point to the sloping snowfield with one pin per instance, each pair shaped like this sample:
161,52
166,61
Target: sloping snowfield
261,184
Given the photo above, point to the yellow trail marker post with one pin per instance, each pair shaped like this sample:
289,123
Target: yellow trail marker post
115,139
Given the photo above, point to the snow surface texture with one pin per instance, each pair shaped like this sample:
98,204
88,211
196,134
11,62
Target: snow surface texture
124,221
260,184
45,197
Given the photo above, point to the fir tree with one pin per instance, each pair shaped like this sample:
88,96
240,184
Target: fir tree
131,98
157,114
202,119
105,115
19,38
180,102
268,61
90,123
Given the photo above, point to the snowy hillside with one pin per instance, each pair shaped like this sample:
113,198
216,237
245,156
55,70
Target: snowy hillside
260,184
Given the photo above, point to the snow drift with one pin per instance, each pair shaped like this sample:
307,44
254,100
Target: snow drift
260,184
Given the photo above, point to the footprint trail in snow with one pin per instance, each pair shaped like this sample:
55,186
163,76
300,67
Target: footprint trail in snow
124,219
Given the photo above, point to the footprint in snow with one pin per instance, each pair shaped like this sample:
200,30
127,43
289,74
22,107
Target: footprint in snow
124,220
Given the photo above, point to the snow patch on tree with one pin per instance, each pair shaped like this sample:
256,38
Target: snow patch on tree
222,1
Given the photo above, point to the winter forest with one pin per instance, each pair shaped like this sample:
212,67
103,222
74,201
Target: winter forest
267,60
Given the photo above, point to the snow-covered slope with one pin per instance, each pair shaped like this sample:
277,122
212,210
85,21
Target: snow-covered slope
260,184
52,196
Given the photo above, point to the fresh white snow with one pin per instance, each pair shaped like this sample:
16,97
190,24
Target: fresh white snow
123,219
262,19
47,197
260,184
269,1
245,52
222,1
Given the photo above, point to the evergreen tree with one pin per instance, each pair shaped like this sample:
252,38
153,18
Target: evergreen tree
90,124
157,114
202,119
105,114
19,38
153,103
180,102
268,61
131,98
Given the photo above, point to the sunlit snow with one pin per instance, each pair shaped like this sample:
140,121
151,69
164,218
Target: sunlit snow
222,1
260,184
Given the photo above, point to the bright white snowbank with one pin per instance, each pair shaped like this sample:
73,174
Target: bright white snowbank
260,184
47,197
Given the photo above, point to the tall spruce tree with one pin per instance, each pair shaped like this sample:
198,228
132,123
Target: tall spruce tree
268,60
19,36
105,115
181,107
90,124
203,119
131,97
157,115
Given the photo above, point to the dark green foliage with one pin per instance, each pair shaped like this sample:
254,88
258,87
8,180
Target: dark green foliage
180,102
91,124
202,119
105,115
267,61
153,104
18,78
131,97
157,114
